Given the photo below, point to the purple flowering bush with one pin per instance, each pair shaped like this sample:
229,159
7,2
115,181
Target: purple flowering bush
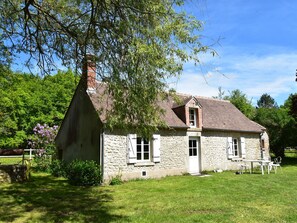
42,141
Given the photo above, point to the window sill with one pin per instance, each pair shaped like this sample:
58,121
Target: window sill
237,159
144,164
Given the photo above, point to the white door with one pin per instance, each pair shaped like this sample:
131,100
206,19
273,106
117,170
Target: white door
193,155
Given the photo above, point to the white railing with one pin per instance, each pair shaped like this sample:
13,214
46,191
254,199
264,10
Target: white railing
20,156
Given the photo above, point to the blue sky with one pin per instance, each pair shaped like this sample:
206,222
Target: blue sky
257,47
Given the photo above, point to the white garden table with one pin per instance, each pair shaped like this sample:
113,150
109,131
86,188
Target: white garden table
262,164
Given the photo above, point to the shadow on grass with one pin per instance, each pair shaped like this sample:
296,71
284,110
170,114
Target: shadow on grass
289,161
48,199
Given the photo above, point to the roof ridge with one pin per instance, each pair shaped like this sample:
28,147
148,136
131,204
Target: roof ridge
184,94
202,97
214,99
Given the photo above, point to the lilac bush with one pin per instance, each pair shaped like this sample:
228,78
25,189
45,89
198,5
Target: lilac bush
43,143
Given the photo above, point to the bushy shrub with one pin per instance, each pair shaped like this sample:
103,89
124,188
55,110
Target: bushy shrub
58,168
43,142
83,173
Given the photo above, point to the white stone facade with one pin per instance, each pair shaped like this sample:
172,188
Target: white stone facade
173,153
214,149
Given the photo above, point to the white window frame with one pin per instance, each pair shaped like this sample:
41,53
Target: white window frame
192,118
235,147
154,149
193,150
141,146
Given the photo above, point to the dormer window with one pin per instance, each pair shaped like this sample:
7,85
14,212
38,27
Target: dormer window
192,117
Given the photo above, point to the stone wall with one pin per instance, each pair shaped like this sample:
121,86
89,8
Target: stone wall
78,137
214,149
12,173
173,153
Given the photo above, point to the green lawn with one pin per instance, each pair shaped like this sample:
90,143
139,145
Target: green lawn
222,197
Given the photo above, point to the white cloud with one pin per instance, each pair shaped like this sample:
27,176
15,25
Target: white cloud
254,75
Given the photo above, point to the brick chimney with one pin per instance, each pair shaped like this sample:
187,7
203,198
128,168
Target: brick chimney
89,72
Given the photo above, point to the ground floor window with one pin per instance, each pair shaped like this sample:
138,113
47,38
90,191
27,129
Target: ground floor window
235,147
143,149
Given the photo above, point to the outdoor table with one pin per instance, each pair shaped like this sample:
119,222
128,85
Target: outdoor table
262,164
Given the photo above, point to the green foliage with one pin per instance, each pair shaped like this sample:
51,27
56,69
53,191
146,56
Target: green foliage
138,46
58,168
226,198
116,180
281,127
42,163
27,100
291,105
83,173
266,101
28,164
240,100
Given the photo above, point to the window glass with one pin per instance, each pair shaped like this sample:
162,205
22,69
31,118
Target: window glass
143,149
235,147
192,147
192,117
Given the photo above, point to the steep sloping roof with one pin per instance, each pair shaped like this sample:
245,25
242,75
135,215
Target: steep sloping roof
223,115
216,114
103,103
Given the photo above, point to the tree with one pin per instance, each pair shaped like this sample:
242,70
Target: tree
266,101
291,105
137,46
241,102
221,94
277,121
27,99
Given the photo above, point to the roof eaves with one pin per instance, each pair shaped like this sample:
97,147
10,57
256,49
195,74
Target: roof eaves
232,130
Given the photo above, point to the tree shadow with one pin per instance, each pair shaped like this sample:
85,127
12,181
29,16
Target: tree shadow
289,161
48,199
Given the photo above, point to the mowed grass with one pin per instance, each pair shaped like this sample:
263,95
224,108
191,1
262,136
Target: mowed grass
221,197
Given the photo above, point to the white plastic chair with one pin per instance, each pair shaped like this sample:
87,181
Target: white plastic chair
243,166
276,164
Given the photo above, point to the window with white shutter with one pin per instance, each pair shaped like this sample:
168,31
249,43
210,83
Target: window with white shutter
236,148
242,147
156,148
229,148
131,145
143,150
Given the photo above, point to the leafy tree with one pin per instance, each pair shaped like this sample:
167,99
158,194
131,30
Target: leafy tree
27,100
137,46
221,94
241,102
291,105
266,101
277,121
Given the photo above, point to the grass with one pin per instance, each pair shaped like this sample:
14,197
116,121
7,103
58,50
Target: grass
12,160
222,197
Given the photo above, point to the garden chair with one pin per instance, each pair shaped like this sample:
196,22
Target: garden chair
243,166
276,164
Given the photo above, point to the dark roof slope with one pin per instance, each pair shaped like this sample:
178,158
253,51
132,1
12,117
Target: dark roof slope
103,103
223,115
216,114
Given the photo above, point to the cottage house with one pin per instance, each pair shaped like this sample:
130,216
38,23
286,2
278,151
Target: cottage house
204,134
